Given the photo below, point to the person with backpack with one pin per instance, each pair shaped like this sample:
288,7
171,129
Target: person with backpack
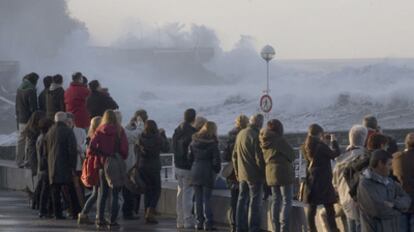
280,173
319,176
241,122
83,215
151,143
381,200
109,144
26,105
403,166
355,150
180,143
204,157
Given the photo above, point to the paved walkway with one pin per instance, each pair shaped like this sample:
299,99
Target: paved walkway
16,216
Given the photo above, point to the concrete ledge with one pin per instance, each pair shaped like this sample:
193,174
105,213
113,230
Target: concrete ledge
14,178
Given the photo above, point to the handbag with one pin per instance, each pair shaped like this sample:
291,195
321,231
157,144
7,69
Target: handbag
304,190
135,183
228,170
115,168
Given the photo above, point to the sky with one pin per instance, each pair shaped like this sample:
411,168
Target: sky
298,29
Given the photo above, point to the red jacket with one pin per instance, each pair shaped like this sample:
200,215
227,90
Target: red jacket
103,143
75,101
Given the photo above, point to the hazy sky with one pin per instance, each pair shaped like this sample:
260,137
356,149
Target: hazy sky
297,28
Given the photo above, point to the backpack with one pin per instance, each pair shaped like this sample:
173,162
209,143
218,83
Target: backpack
352,172
90,171
115,169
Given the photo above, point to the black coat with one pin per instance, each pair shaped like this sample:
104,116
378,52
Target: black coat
55,102
319,175
61,153
98,102
31,152
180,142
149,149
42,100
205,161
26,102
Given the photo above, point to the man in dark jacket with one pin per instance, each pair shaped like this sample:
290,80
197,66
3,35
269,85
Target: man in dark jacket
403,166
181,141
249,167
47,81
55,97
99,100
62,154
75,101
26,104
242,122
380,199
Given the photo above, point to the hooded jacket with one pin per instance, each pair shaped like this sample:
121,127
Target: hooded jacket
204,157
247,156
150,148
106,142
26,101
75,102
373,191
278,156
181,141
55,100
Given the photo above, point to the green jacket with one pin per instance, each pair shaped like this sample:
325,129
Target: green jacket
247,156
279,157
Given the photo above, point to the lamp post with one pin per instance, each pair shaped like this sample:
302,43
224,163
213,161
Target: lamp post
267,54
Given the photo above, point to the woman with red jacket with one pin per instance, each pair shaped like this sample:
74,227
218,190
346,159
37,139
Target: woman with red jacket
109,139
75,101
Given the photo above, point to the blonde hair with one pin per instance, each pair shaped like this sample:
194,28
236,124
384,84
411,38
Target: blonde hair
209,130
199,122
242,121
95,122
110,118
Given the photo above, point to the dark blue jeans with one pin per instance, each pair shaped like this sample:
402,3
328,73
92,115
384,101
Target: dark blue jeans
281,207
234,193
103,191
204,214
248,216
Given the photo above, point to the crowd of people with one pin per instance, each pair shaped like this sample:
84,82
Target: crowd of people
74,140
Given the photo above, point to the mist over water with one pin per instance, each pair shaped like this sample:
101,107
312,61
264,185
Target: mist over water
175,66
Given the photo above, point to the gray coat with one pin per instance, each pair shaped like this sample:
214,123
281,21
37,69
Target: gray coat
61,153
204,157
373,191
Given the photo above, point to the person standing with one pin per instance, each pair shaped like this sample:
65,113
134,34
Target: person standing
55,97
47,81
99,100
204,157
133,132
319,176
249,167
241,123
280,174
109,140
83,215
342,175
26,105
180,142
61,152
75,101
43,175
381,201
151,143
403,166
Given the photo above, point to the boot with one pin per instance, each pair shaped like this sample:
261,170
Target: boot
150,216
83,219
